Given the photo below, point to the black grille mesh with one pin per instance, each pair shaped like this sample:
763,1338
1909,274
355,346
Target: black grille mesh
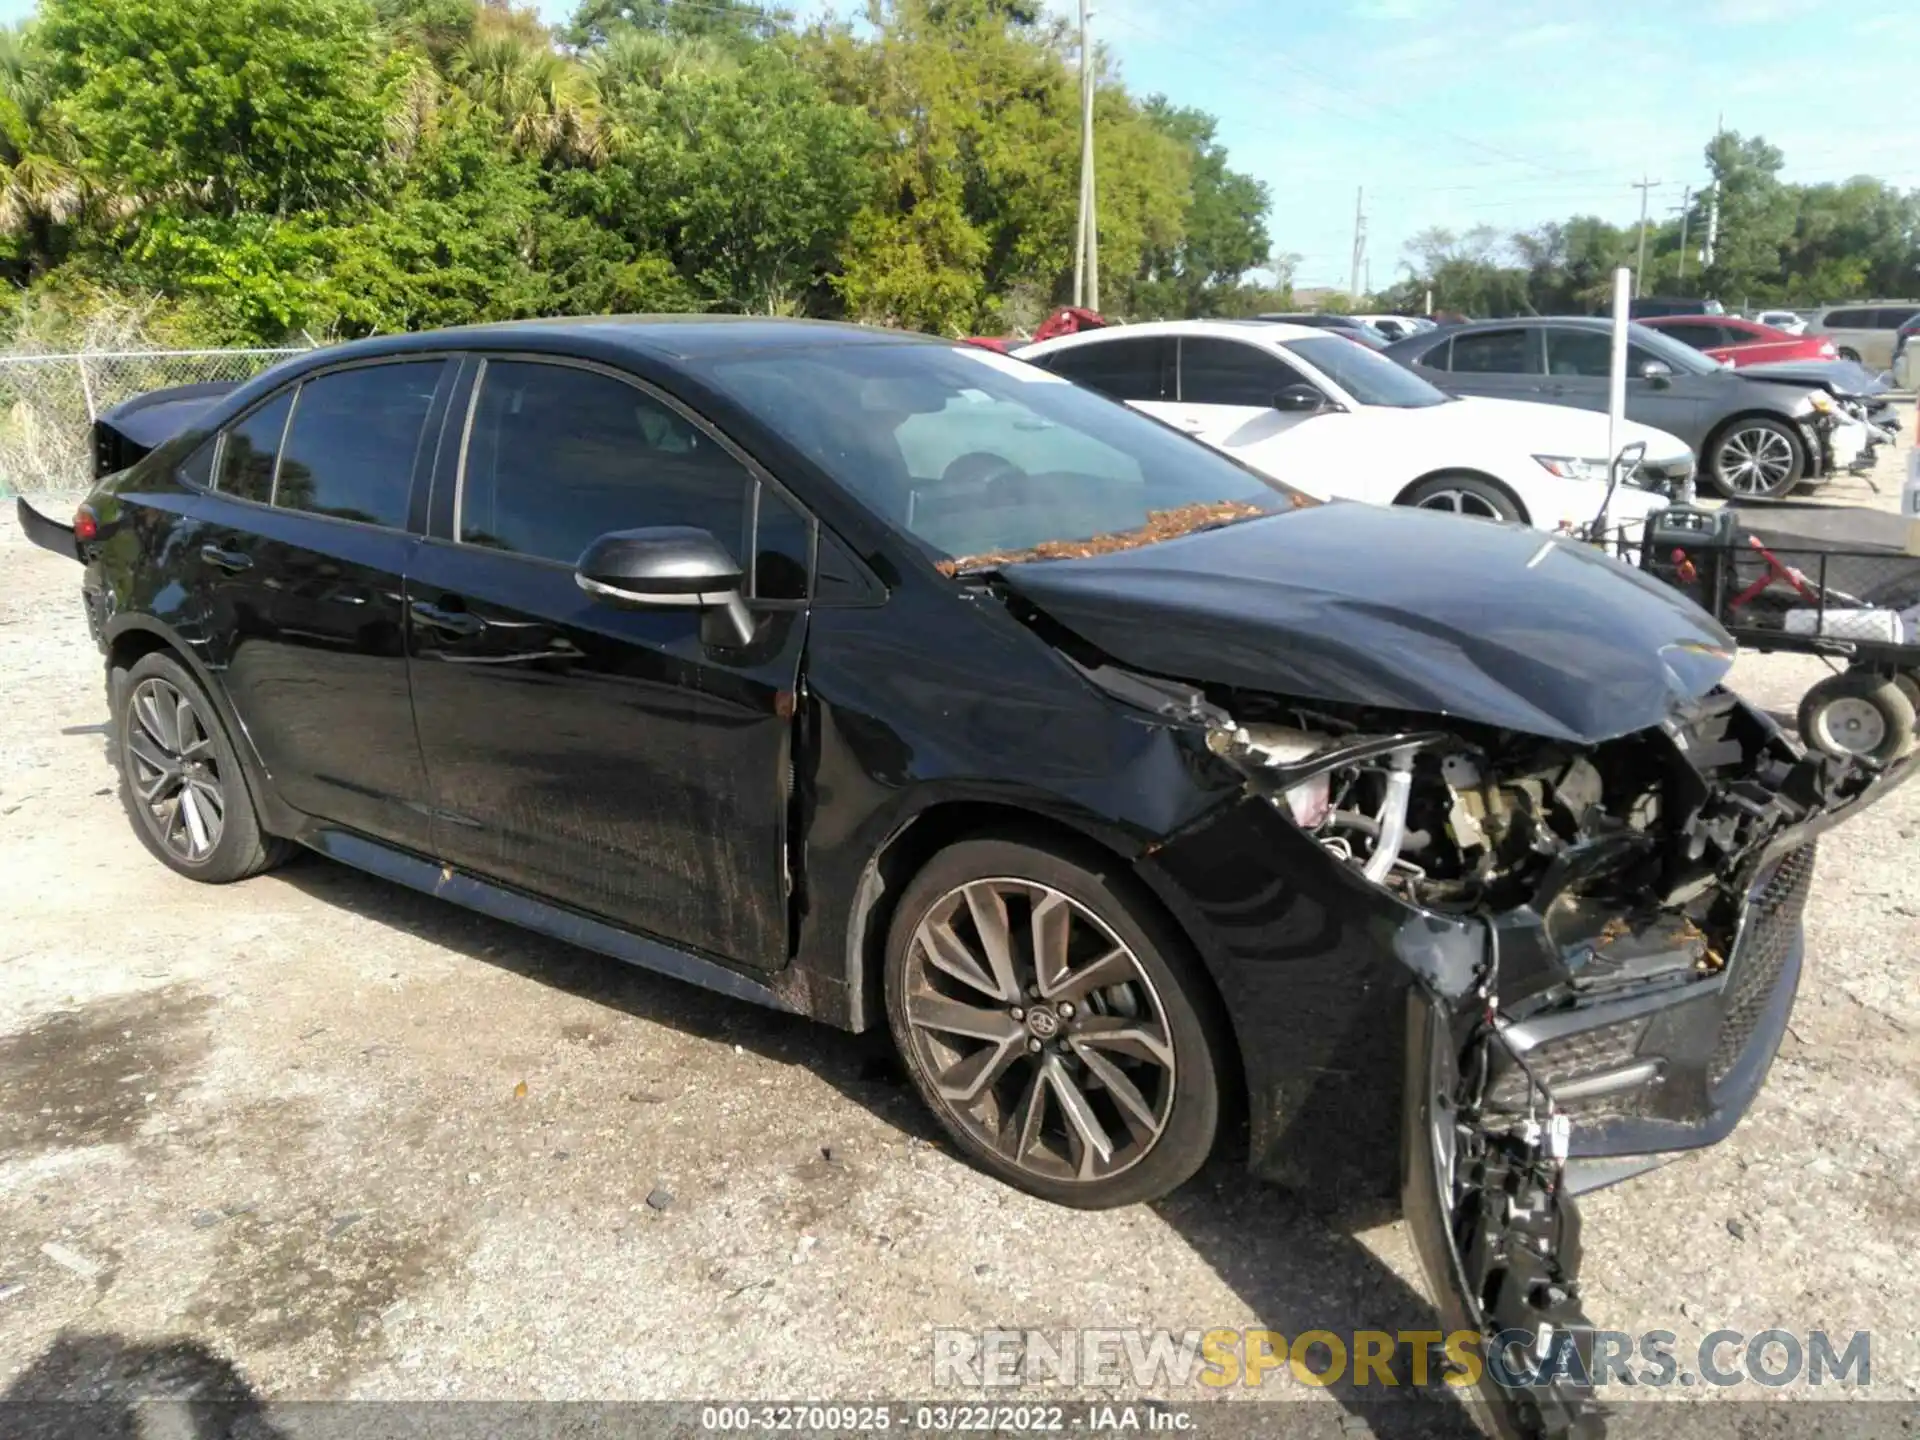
1586,1052
1772,920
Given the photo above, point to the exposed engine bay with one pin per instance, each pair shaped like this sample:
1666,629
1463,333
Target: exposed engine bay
1664,828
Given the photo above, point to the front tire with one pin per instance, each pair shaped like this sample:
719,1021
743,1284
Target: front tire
180,778
1756,458
1466,495
1053,1024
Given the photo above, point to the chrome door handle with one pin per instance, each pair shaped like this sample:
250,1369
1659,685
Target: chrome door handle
231,561
449,622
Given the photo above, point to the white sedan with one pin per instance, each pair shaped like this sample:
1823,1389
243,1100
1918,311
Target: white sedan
1337,420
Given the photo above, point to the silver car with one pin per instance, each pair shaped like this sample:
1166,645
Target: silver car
1864,332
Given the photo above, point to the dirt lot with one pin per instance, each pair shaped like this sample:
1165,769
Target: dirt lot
321,1137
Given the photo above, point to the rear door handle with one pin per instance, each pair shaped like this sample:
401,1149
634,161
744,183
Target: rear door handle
231,561
448,622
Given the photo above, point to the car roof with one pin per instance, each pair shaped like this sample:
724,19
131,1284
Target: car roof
1265,330
677,336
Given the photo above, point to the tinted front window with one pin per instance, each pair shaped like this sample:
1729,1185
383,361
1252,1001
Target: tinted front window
1650,344
1579,352
1495,352
971,452
247,454
1139,369
1226,372
1368,376
1700,337
1892,317
351,448
559,456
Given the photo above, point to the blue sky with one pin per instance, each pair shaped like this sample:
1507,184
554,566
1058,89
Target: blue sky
1506,112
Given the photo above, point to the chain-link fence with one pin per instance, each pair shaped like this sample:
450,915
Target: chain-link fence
48,404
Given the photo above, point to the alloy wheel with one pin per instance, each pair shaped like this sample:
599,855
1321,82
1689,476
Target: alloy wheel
1755,461
174,772
1042,1033
1849,725
1461,502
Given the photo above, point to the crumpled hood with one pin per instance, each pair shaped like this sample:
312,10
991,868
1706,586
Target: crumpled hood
1403,609
1563,429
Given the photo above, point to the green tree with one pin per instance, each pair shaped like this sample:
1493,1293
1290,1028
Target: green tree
1757,215
221,106
739,22
1223,232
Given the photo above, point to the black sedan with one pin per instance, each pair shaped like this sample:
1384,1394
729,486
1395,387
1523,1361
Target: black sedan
1757,439
903,684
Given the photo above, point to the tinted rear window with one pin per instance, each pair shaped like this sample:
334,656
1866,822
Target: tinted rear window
1140,369
351,448
1495,352
247,453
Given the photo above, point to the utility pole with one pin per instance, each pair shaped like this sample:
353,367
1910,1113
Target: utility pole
1359,242
1086,245
1643,185
1686,207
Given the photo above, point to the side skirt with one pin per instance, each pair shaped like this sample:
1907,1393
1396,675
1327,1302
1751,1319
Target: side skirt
552,920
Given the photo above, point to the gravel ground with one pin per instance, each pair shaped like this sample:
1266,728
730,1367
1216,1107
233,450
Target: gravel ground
315,1136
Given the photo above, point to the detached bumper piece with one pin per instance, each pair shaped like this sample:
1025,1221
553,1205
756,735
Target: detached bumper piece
1499,1236
47,534
1667,1041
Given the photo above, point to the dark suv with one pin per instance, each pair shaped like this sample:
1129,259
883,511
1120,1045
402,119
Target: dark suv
897,683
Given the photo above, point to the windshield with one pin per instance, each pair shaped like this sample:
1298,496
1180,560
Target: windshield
1368,377
1683,358
980,456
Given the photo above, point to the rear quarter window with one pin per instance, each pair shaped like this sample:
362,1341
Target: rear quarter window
250,447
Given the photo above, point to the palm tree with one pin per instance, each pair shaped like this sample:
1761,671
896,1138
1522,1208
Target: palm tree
41,189
541,97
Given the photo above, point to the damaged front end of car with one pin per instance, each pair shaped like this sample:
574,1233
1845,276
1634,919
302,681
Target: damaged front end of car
1494,859
1606,944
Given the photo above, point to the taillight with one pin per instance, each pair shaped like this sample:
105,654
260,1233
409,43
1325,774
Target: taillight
86,525
1827,352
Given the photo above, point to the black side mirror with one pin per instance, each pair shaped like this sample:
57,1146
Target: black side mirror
667,565
1657,373
1299,399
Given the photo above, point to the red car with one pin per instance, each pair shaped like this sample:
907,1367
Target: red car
1741,342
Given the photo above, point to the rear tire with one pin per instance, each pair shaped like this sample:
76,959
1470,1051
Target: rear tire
180,778
1085,1067
1755,459
1470,495
1859,715
1848,353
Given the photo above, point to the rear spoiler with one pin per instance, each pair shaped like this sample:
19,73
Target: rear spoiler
133,427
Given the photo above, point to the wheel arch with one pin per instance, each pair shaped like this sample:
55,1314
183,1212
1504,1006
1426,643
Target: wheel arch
1462,472
130,639
908,848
